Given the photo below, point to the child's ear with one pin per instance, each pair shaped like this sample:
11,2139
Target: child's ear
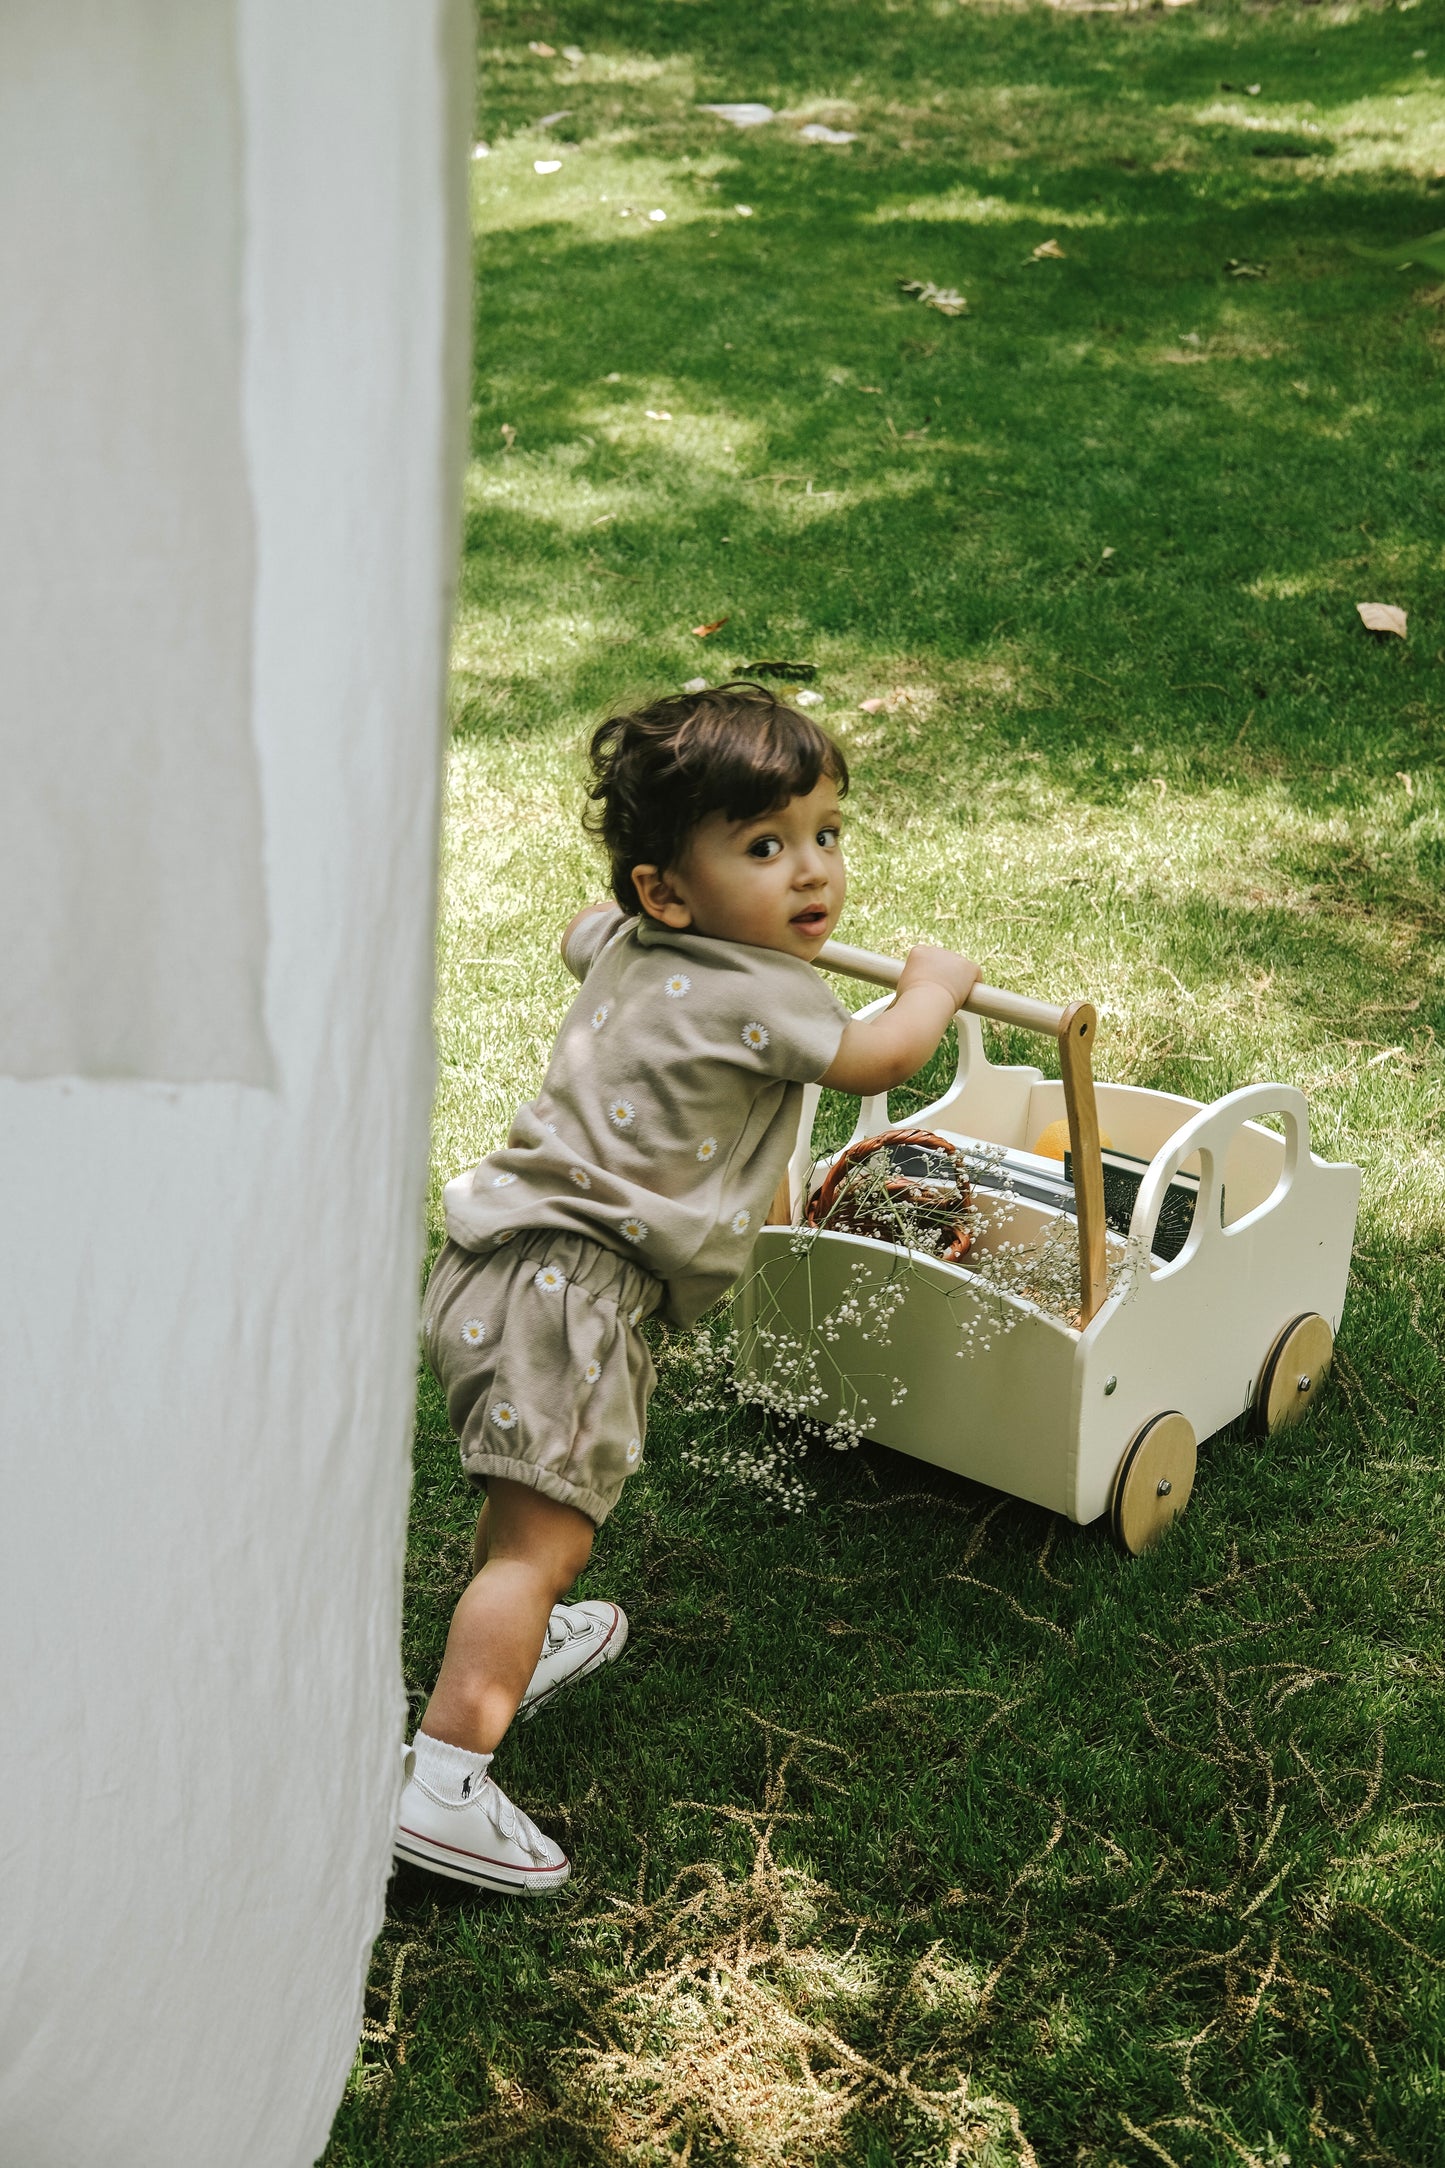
659,898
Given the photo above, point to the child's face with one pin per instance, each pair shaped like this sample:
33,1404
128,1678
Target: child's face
775,882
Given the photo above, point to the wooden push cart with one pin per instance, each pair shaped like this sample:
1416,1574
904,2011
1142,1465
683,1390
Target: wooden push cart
1102,1415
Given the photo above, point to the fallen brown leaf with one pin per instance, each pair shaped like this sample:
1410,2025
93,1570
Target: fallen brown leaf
543,51
1046,248
946,299
702,632
1382,617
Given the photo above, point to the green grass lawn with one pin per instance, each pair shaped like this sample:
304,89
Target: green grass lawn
1073,1860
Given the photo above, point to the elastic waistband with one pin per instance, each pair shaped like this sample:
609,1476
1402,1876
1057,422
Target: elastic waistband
598,1271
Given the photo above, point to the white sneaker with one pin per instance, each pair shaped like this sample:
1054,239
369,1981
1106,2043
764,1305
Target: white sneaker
580,1637
482,1839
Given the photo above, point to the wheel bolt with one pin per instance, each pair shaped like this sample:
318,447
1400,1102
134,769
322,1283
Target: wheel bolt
1165,1486
1304,1382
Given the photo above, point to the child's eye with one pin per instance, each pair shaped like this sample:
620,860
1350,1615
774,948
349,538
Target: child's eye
830,838
764,847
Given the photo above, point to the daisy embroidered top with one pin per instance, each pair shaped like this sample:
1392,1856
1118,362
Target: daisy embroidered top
669,1110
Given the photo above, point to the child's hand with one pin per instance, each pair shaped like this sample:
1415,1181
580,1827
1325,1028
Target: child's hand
924,966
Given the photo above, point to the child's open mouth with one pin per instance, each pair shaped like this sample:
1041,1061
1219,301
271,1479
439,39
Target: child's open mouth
813,920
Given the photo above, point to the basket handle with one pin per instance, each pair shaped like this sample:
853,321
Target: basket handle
1074,1028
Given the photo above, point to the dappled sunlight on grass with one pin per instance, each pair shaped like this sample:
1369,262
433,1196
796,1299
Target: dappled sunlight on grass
604,191
959,207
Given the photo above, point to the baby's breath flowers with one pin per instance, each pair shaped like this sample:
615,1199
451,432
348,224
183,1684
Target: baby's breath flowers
805,1385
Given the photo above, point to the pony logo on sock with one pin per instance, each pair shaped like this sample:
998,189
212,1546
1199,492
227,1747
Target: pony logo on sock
466,1787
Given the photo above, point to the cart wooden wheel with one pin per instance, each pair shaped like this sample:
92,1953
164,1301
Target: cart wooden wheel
1294,1372
1155,1478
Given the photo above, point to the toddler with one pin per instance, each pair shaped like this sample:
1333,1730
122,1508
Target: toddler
632,1185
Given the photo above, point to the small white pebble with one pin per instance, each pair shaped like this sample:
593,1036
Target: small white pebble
657,217
481,150
546,165
613,376
744,210
695,685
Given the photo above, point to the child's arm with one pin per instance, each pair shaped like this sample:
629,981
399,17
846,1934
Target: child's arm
588,910
881,1051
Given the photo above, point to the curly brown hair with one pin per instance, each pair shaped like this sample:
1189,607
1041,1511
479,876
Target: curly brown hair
736,749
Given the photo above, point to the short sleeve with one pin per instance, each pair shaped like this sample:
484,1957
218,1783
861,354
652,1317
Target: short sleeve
795,1023
589,938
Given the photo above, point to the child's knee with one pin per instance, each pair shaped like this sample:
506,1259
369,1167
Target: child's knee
566,1545
574,1548
526,1523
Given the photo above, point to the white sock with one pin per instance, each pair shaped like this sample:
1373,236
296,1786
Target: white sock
452,1775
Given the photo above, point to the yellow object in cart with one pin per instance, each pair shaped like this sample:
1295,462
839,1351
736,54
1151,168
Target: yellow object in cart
1053,1142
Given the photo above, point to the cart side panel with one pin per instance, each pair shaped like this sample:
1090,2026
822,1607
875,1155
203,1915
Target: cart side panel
992,1404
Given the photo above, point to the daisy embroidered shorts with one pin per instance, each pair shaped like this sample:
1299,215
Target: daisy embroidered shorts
547,1377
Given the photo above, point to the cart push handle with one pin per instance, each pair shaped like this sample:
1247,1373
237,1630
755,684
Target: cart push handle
1074,1028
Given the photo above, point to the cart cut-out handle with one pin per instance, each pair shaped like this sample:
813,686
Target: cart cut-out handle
1210,1133
1074,1028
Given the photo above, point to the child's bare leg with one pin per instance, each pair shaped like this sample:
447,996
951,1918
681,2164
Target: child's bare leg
534,1550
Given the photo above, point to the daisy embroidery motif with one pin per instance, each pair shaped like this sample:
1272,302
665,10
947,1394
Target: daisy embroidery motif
592,1373
549,1279
634,1315
503,1181
580,1176
621,1113
634,1451
474,1332
599,1016
677,985
707,1149
504,1415
755,1036
634,1229
741,1222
